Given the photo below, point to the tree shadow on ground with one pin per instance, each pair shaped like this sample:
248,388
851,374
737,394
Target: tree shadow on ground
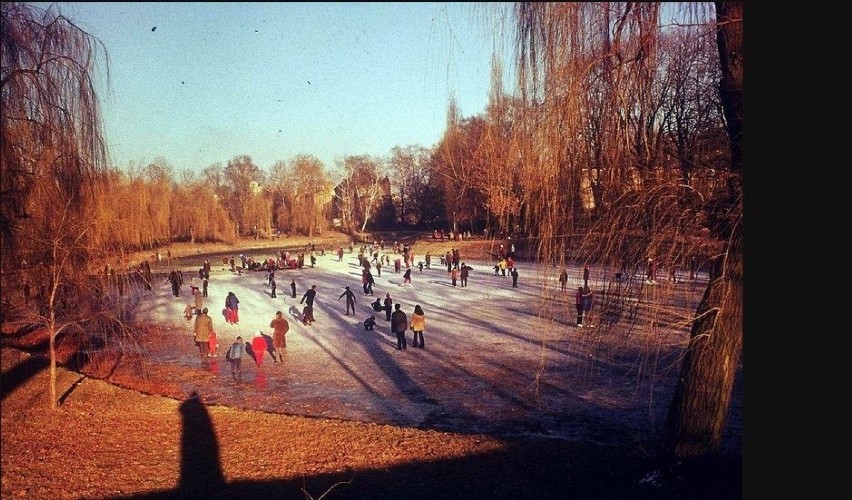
537,469
20,374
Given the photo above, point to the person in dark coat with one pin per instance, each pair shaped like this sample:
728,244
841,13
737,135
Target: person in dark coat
370,282
464,272
514,277
587,307
293,288
272,285
350,300
308,297
307,315
369,323
175,281
399,323
270,346
578,303
250,352
377,305
232,308
388,306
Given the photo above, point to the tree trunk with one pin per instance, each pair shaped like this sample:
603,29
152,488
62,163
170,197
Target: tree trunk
52,336
696,419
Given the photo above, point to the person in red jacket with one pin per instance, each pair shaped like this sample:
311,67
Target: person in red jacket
258,346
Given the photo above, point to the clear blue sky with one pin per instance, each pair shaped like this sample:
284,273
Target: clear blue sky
273,80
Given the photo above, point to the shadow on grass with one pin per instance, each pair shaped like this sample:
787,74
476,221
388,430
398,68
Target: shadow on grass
535,469
529,468
200,471
20,374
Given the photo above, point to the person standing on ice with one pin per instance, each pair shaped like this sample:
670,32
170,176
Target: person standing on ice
578,303
202,328
652,274
350,300
309,296
418,324
587,307
235,358
232,308
388,306
399,323
464,272
280,327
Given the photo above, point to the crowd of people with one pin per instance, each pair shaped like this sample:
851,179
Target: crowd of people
369,257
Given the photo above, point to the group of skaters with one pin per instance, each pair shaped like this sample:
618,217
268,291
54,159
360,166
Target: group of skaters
262,343
399,322
283,260
205,336
439,235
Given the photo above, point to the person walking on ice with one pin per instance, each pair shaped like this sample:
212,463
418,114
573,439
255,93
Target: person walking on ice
309,296
280,327
234,356
350,300
258,347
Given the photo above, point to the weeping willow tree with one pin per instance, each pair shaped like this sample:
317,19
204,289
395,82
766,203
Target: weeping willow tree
52,161
611,171
311,193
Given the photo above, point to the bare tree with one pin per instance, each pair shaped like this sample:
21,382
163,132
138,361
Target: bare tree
159,177
360,190
312,193
600,111
409,171
281,193
459,167
52,157
242,177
